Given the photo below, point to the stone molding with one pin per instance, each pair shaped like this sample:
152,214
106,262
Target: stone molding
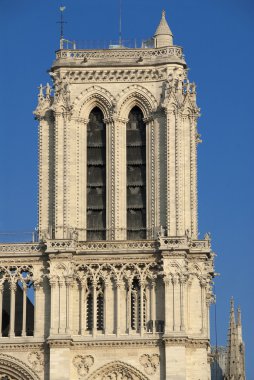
120,54
24,346
185,341
117,75
17,368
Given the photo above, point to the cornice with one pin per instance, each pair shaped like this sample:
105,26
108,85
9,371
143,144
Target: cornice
22,346
186,341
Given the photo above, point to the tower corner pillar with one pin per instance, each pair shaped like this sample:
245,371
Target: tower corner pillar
175,360
60,359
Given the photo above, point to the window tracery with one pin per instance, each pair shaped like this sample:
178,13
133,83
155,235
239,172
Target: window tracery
137,278
16,301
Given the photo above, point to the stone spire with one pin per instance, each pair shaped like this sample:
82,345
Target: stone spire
235,350
163,35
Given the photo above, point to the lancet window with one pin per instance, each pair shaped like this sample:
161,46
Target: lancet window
89,307
136,175
100,306
138,306
96,176
120,298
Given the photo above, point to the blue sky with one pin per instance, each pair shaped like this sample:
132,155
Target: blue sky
217,37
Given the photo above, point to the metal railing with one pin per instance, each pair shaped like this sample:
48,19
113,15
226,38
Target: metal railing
133,43
19,236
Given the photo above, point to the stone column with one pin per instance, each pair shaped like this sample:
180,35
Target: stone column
1,308
53,300
105,309
193,176
43,199
37,311
110,178
141,297
128,307
81,178
152,306
182,281
179,176
118,179
59,175
150,178
62,307
83,310
24,310
68,282
119,285
186,173
203,305
171,180
94,331
13,288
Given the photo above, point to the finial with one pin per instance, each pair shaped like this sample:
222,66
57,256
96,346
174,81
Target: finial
40,95
239,316
232,303
163,13
48,90
232,312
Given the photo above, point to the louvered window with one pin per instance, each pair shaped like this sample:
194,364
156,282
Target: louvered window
136,175
96,176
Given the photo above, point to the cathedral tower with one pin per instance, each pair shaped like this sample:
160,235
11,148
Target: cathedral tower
122,282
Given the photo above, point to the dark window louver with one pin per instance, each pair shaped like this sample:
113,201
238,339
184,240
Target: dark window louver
96,176
136,175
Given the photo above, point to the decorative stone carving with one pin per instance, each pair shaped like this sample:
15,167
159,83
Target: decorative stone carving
117,371
36,360
150,363
120,54
83,364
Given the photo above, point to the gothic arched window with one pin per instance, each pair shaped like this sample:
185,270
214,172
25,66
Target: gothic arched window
96,176
136,175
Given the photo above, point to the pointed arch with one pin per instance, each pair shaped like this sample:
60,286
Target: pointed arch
135,95
127,371
94,96
16,369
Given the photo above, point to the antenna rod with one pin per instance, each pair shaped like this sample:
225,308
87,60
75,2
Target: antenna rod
61,22
120,22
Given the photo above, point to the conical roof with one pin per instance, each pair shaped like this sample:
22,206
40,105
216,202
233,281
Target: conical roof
163,28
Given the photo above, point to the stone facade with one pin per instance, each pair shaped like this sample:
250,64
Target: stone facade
115,307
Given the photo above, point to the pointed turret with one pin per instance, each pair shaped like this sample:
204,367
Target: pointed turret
163,35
